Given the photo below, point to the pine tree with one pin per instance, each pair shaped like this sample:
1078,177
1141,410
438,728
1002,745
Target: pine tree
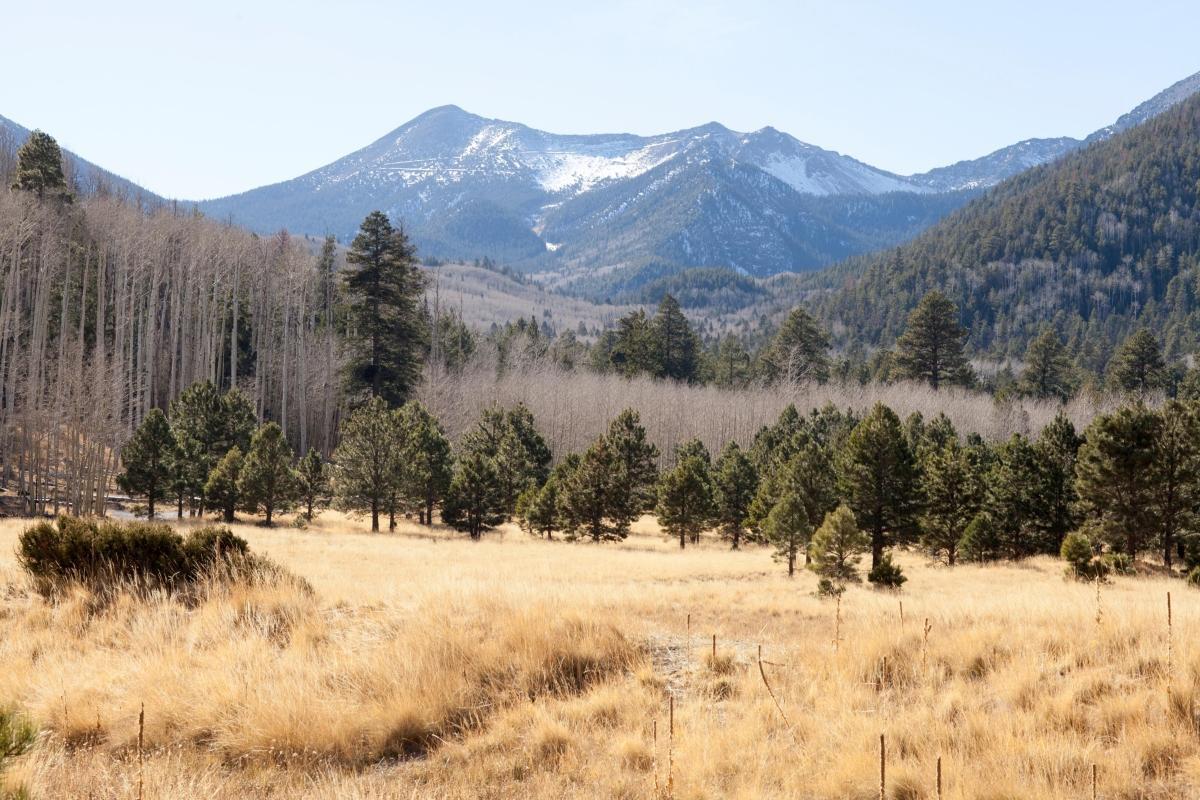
837,547
798,353
510,439
206,425
537,508
931,347
1047,372
266,481
590,501
1013,499
878,478
147,458
676,348
383,285
1057,450
735,483
363,476
222,485
311,482
635,475
954,493
1175,483
40,168
731,364
474,501
1115,475
685,505
788,529
1138,367
426,455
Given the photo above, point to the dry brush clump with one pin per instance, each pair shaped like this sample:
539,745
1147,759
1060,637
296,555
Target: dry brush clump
433,667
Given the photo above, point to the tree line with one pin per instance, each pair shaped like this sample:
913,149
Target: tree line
822,488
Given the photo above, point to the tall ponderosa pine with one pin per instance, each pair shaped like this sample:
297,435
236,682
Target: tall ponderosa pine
147,458
312,482
799,352
787,528
735,483
675,345
267,482
878,478
1138,367
1115,475
40,168
685,503
428,462
383,285
931,347
363,476
474,501
1047,372
221,488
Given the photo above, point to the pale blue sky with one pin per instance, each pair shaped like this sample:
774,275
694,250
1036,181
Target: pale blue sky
207,98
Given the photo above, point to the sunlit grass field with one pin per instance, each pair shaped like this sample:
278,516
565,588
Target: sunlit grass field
425,665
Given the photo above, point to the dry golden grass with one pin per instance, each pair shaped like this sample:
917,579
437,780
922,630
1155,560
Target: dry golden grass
430,666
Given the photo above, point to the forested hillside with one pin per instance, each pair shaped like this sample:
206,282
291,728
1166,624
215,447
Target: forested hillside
1098,244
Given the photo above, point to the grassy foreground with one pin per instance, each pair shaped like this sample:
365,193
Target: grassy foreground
424,665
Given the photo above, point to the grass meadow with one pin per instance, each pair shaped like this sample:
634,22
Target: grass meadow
423,665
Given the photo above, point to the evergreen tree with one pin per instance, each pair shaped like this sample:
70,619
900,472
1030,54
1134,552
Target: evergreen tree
147,458
676,348
837,547
311,482
635,475
1138,367
474,500
731,364
809,475
1047,372
590,501
383,285
427,459
799,352
735,483
878,478
363,476
1014,501
40,168
788,529
222,485
931,347
521,455
206,425
266,481
630,350
685,505
954,493
537,508
1057,450
1115,475
1175,483
981,541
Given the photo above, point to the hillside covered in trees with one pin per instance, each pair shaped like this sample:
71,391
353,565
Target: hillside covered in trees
1101,243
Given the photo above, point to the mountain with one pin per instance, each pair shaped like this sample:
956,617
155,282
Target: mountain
1096,244
86,177
468,186
605,213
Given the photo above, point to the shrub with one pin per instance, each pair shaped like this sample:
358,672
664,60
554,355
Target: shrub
1117,563
102,554
886,574
1076,550
828,588
1193,577
17,735
980,541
